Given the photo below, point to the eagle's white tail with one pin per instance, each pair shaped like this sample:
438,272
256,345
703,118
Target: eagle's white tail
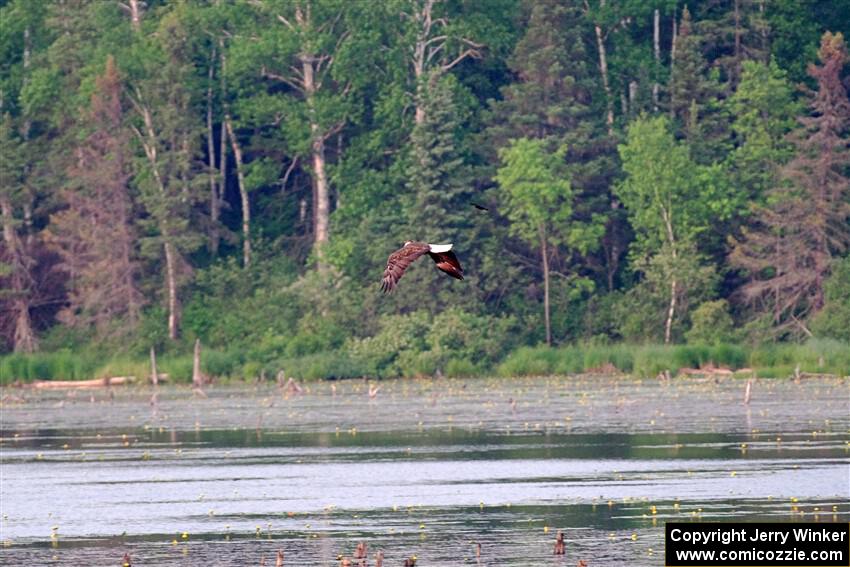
437,248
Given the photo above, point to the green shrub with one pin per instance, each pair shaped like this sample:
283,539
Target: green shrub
711,323
461,367
252,369
332,364
412,363
833,320
455,333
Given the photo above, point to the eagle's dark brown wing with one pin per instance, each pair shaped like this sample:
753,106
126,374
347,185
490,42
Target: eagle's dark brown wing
448,263
398,262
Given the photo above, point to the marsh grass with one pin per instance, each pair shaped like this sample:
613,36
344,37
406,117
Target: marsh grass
68,365
817,356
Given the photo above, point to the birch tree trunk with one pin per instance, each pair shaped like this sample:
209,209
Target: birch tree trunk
243,193
317,150
656,48
671,311
222,149
149,144
603,68
214,192
26,126
171,284
322,196
544,253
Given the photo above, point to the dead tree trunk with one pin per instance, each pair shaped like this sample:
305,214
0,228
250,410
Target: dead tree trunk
136,15
24,339
430,59
197,377
154,371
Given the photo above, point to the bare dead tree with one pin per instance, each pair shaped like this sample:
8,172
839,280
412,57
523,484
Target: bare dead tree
94,235
430,57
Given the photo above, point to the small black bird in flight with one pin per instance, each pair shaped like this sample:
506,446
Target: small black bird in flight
480,207
399,260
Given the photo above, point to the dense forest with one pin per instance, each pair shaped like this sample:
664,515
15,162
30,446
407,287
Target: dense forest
609,171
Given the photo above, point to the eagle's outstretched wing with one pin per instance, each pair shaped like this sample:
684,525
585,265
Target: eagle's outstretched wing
447,262
398,262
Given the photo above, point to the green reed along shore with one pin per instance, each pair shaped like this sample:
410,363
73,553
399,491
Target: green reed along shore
817,356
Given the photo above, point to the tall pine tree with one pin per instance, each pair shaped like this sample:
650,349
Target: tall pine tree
788,254
94,235
694,96
436,171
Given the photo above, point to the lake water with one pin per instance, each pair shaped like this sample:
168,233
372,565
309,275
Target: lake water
427,468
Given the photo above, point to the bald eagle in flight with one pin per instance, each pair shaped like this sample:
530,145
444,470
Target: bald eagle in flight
399,260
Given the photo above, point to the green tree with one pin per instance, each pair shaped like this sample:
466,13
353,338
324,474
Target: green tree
834,319
552,94
436,171
668,204
170,174
297,54
764,112
735,31
711,323
694,96
538,202
552,99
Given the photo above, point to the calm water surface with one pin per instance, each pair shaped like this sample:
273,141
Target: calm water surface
427,467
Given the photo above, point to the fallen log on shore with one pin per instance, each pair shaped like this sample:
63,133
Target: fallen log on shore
84,384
